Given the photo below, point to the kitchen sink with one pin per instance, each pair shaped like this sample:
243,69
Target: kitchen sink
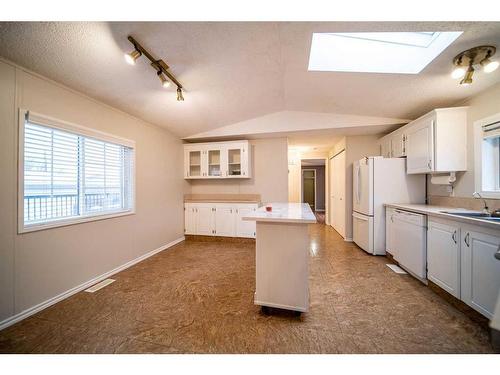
474,215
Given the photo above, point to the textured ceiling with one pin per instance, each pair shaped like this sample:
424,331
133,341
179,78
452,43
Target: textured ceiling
235,71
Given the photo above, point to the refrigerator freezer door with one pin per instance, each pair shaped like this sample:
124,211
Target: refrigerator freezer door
362,186
362,231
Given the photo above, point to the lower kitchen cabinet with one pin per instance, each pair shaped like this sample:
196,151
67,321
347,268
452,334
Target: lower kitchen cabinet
461,260
443,255
480,276
219,219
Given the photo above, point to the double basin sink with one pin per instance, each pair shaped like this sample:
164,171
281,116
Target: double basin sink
474,215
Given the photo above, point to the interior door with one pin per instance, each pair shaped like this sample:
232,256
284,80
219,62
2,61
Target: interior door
309,187
333,210
340,193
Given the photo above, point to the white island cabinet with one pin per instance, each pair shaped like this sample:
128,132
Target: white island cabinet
282,255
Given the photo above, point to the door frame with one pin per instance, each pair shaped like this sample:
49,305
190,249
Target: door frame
331,160
302,184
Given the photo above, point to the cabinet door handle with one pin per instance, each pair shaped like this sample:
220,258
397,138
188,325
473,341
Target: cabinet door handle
429,165
466,240
454,236
392,218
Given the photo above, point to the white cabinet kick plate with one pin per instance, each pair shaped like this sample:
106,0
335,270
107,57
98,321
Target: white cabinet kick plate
102,284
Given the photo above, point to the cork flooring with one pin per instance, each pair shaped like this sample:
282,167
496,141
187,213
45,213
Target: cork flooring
197,297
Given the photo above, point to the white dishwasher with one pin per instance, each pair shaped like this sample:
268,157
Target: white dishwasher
409,242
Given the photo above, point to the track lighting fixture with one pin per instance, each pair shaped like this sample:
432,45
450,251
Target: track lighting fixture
132,56
464,63
160,66
180,98
467,80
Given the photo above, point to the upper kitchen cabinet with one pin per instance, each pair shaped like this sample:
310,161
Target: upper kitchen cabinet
217,160
393,144
437,142
398,143
386,146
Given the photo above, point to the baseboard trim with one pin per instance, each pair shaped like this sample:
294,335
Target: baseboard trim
348,239
51,301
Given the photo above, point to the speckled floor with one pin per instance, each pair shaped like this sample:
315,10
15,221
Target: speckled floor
197,297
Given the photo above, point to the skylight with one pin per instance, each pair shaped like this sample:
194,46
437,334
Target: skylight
385,52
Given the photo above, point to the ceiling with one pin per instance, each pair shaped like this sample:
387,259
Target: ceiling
235,71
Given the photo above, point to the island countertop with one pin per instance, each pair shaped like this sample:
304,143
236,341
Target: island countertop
283,213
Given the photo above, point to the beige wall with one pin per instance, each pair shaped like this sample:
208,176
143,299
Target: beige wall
269,174
37,266
356,147
481,106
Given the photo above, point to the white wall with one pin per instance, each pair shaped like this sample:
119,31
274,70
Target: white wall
37,266
269,174
483,105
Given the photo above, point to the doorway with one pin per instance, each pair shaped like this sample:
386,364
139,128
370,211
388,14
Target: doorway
314,186
309,187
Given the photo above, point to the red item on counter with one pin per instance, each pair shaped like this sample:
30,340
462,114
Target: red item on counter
269,208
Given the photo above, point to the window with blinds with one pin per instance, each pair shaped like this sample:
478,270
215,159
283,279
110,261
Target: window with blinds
69,176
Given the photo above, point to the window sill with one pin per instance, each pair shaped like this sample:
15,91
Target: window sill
490,194
65,222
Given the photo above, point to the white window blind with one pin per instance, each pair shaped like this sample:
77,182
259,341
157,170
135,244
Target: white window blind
69,176
491,157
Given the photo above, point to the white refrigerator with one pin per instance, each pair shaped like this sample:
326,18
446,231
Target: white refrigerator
377,180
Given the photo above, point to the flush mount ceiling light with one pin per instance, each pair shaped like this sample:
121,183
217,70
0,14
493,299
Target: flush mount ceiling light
465,61
377,52
159,65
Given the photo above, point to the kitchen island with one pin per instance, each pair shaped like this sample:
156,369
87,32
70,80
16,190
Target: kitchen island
282,255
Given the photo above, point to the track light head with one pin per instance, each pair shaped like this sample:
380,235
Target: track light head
180,98
131,57
467,80
489,65
164,82
458,72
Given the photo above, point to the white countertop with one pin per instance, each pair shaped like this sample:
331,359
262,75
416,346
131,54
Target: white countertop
437,212
283,213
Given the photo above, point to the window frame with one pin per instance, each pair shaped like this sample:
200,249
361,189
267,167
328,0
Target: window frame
80,130
478,156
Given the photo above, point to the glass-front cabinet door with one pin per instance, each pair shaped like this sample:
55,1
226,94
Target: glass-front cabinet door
214,160
234,161
194,163
237,160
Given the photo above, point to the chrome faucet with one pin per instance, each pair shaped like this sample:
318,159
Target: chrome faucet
486,210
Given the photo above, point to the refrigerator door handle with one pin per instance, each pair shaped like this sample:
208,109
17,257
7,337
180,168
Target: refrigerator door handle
358,174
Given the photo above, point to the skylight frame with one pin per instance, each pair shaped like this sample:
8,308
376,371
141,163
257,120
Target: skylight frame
374,52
